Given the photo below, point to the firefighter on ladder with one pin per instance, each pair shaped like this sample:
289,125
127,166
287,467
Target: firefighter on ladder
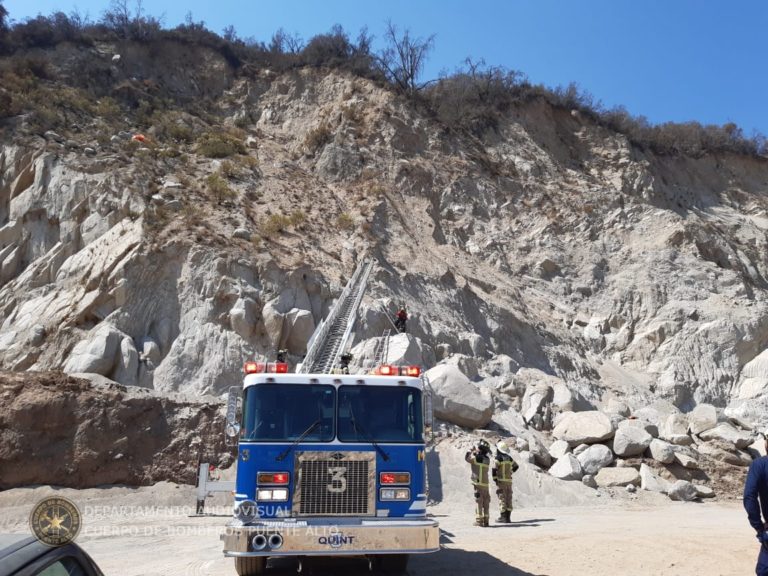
503,468
479,459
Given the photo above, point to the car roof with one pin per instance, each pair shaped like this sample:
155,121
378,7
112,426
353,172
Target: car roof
18,550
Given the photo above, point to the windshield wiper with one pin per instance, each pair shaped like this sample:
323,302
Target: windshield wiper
359,431
303,435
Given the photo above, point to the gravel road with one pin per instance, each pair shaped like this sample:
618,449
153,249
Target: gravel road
149,532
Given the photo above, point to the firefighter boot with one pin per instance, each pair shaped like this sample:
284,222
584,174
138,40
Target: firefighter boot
485,522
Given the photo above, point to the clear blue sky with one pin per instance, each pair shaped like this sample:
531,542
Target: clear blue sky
669,60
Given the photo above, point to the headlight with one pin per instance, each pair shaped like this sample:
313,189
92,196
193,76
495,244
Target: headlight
394,494
246,511
272,494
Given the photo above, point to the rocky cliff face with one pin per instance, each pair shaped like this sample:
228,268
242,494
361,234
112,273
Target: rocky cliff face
550,245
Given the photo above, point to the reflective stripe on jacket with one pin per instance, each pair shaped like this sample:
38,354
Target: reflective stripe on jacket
503,470
480,466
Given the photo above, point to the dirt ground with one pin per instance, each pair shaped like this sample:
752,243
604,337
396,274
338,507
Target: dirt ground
153,534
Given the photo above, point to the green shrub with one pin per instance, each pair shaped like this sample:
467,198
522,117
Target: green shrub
220,145
219,188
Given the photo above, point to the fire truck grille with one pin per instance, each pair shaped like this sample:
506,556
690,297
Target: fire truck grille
335,484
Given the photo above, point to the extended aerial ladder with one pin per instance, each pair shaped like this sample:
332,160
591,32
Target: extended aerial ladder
331,337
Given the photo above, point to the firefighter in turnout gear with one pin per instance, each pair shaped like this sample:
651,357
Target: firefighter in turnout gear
503,468
479,459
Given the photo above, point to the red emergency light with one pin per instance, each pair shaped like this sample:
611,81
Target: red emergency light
387,370
254,367
273,477
395,478
278,367
410,371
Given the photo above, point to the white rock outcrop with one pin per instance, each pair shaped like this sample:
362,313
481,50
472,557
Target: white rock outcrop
457,400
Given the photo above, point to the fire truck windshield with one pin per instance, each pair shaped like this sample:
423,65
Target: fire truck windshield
379,413
280,412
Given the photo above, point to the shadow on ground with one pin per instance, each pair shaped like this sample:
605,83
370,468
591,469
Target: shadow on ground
446,562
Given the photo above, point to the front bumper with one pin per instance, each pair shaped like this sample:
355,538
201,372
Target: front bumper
323,537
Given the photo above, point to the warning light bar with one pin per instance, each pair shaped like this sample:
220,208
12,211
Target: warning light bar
254,367
259,367
389,370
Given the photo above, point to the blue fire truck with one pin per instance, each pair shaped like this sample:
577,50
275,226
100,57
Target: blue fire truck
329,463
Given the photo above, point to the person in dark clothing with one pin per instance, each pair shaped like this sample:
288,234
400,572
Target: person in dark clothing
401,318
344,361
756,505
281,354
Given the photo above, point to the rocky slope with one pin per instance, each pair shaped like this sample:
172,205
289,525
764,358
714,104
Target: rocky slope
65,431
549,255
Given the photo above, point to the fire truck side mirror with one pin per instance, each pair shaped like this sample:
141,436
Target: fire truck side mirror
232,428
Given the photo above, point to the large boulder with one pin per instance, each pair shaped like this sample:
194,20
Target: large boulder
584,428
682,490
757,449
536,397
652,429
686,460
558,449
656,413
300,326
540,453
675,430
457,400
608,477
661,451
594,458
727,432
725,453
702,418
96,354
567,468
242,317
630,441
650,481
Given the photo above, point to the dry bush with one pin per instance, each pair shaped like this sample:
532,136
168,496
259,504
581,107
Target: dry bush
317,138
297,218
275,224
344,221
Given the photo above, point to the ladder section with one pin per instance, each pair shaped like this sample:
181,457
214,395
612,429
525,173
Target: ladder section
331,336
381,352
